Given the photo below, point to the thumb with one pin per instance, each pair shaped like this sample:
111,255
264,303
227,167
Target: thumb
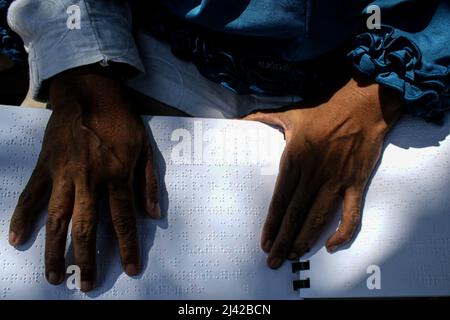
350,220
278,119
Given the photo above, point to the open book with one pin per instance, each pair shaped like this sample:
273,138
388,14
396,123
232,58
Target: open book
217,178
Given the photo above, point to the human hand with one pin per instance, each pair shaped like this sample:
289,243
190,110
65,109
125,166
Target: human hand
94,144
331,151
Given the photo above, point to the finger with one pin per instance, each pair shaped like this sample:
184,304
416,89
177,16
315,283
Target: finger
123,217
287,180
279,119
149,184
31,202
84,229
60,210
325,203
292,222
351,217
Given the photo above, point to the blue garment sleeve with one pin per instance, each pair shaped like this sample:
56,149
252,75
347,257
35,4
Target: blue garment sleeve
64,34
416,64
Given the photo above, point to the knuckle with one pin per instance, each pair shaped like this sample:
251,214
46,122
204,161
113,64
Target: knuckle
55,208
362,176
354,216
312,229
334,187
282,248
292,219
25,198
56,225
271,224
300,246
295,215
53,259
152,182
85,201
125,224
18,220
319,222
342,237
83,231
79,171
87,270
85,267
122,171
78,167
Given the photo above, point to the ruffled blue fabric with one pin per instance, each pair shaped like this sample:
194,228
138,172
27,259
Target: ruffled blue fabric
395,61
10,43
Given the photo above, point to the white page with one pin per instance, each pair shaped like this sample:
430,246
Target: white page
207,247
405,226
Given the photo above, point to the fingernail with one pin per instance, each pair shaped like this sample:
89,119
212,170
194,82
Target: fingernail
292,256
13,238
267,246
331,249
53,278
86,286
156,210
274,263
131,270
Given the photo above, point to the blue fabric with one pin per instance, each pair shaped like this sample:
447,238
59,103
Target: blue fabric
240,63
269,47
10,43
415,64
410,54
297,29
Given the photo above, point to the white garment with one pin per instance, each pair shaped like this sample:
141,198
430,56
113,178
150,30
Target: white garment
54,45
179,84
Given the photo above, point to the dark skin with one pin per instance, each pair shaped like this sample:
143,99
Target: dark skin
331,151
95,144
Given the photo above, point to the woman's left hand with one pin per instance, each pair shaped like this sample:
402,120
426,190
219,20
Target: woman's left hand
331,151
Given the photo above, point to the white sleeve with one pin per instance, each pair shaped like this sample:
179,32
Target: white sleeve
64,34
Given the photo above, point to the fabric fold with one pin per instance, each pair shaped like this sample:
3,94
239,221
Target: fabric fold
396,61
